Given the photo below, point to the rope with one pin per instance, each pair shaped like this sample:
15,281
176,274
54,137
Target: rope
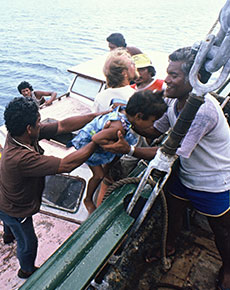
120,183
213,27
166,263
134,180
225,102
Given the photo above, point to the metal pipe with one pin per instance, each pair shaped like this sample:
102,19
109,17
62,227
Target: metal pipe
155,192
182,125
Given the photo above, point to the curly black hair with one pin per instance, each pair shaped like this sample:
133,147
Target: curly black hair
117,39
24,85
20,113
147,103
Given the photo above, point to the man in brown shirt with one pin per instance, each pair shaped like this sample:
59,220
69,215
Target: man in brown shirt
23,171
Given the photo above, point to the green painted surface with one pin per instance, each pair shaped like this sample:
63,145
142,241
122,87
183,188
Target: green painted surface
82,274
77,261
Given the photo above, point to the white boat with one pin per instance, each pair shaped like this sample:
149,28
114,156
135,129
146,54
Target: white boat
56,222
88,80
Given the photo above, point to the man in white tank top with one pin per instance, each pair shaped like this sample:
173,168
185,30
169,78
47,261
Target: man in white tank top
203,178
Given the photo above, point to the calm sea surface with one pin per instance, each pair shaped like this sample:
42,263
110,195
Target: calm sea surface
41,39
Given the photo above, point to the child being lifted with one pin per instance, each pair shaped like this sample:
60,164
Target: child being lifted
142,109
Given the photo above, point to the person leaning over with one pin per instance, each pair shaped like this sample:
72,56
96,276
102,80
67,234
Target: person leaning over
23,171
142,109
203,178
27,91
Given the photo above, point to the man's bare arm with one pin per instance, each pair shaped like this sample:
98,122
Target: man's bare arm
75,123
53,96
150,133
122,147
77,158
41,94
108,134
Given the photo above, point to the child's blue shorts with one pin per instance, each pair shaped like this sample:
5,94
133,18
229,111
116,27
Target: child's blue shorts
207,203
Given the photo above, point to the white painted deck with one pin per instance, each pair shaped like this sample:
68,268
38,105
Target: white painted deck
51,233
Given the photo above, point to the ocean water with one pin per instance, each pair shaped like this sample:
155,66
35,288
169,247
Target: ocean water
41,39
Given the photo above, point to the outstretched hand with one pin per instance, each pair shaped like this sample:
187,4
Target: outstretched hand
119,147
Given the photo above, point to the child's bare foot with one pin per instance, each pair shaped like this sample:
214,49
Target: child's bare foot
89,205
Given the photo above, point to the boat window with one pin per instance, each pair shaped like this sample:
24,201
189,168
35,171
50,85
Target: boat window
63,192
86,87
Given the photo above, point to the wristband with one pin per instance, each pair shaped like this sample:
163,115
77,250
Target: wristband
132,149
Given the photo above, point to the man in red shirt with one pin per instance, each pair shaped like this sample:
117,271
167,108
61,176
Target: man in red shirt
146,70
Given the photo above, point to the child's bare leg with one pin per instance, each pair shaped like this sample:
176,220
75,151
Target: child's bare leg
98,175
107,181
104,186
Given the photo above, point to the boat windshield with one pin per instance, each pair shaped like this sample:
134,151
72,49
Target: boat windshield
86,87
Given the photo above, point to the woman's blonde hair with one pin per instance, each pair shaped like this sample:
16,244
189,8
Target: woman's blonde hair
117,61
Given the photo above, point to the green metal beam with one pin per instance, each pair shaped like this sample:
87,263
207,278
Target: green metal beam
76,262
92,233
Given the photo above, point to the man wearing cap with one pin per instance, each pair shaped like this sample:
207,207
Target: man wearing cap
146,72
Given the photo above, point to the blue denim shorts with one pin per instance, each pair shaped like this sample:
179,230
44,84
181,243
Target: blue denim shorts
207,203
